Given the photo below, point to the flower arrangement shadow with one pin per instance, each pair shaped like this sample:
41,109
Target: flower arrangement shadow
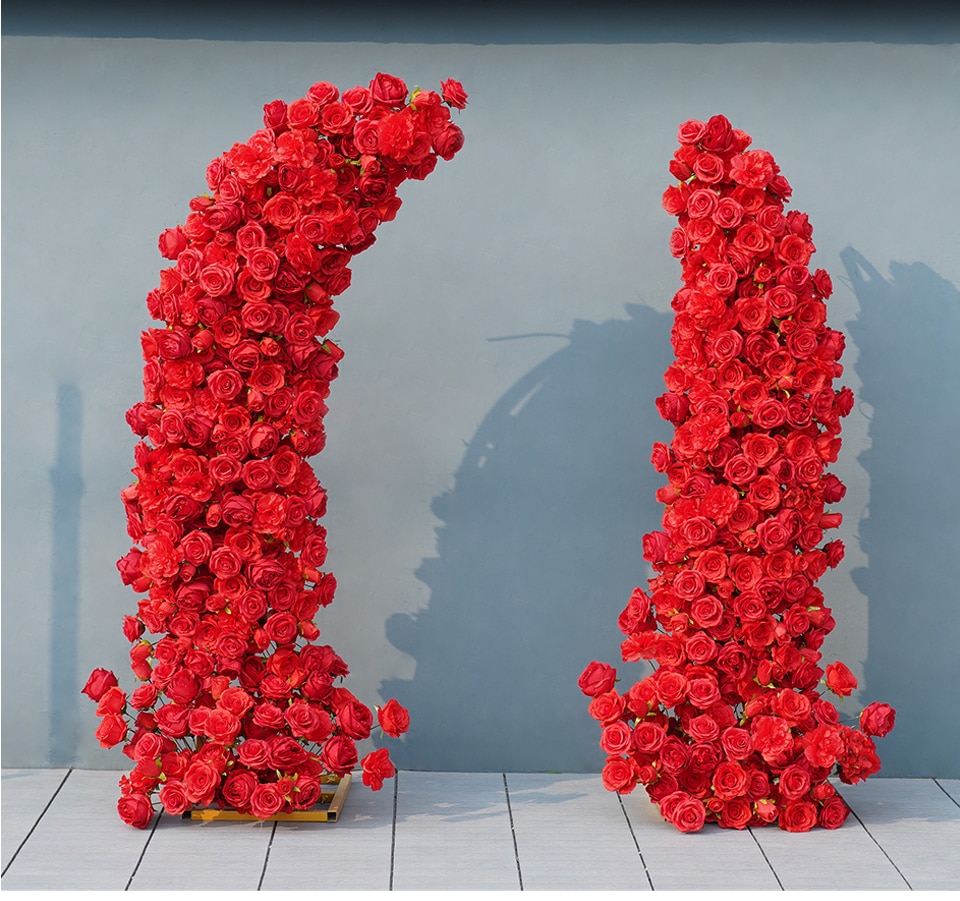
539,525
904,333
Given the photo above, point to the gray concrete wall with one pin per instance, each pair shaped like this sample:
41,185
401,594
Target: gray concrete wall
487,462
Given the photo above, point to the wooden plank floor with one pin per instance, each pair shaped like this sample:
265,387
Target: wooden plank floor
474,831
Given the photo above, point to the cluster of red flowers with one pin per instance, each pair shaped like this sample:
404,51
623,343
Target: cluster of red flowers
238,706
731,726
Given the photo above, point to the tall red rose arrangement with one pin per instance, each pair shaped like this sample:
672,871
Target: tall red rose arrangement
732,727
238,705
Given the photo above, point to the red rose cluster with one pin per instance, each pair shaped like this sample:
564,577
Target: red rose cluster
731,726
238,706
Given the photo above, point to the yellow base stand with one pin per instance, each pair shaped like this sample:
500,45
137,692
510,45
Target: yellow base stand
329,813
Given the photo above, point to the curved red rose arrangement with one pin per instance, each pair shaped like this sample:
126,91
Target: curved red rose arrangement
238,705
731,726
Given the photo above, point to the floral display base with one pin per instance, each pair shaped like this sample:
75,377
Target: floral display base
326,811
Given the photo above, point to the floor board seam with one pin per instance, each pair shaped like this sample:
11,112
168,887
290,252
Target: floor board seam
143,852
636,843
26,838
882,849
938,785
393,831
776,875
266,857
513,831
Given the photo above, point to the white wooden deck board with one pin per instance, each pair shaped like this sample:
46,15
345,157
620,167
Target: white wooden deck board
712,859
571,834
916,823
847,859
951,787
453,833
25,795
80,842
352,853
204,855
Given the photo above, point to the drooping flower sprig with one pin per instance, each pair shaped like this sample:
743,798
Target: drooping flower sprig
732,727
238,705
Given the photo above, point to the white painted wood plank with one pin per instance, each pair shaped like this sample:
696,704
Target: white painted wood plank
352,853
572,835
847,859
25,794
80,843
453,833
951,787
916,824
711,859
204,855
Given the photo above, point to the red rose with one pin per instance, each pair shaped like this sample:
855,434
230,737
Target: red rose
200,781
616,738
222,726
877,719
671,687
173,797
453,93
619,775
172,242
597,678
388,89
691,131
729,780
648,737
799,816
794,782
377,767
135,810
100,681
354,719
281,628
172,720
735,814
737,743
393,718
685,812
839,679
448,142
655,546
267,799
339,755
834,813
706,611
112,730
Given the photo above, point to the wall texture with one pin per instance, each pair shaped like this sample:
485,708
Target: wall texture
487,462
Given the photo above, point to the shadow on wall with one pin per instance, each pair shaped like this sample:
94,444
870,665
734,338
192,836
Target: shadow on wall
539,550
907,336
65,578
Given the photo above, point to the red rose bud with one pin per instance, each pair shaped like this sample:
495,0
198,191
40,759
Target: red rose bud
839,679
100,681
453,93
171,242
877,719
597,678
393,718
377,766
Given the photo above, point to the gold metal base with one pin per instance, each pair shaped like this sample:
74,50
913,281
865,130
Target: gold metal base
320,814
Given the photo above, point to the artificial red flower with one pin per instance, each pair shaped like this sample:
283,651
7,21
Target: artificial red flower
732,616
224,505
